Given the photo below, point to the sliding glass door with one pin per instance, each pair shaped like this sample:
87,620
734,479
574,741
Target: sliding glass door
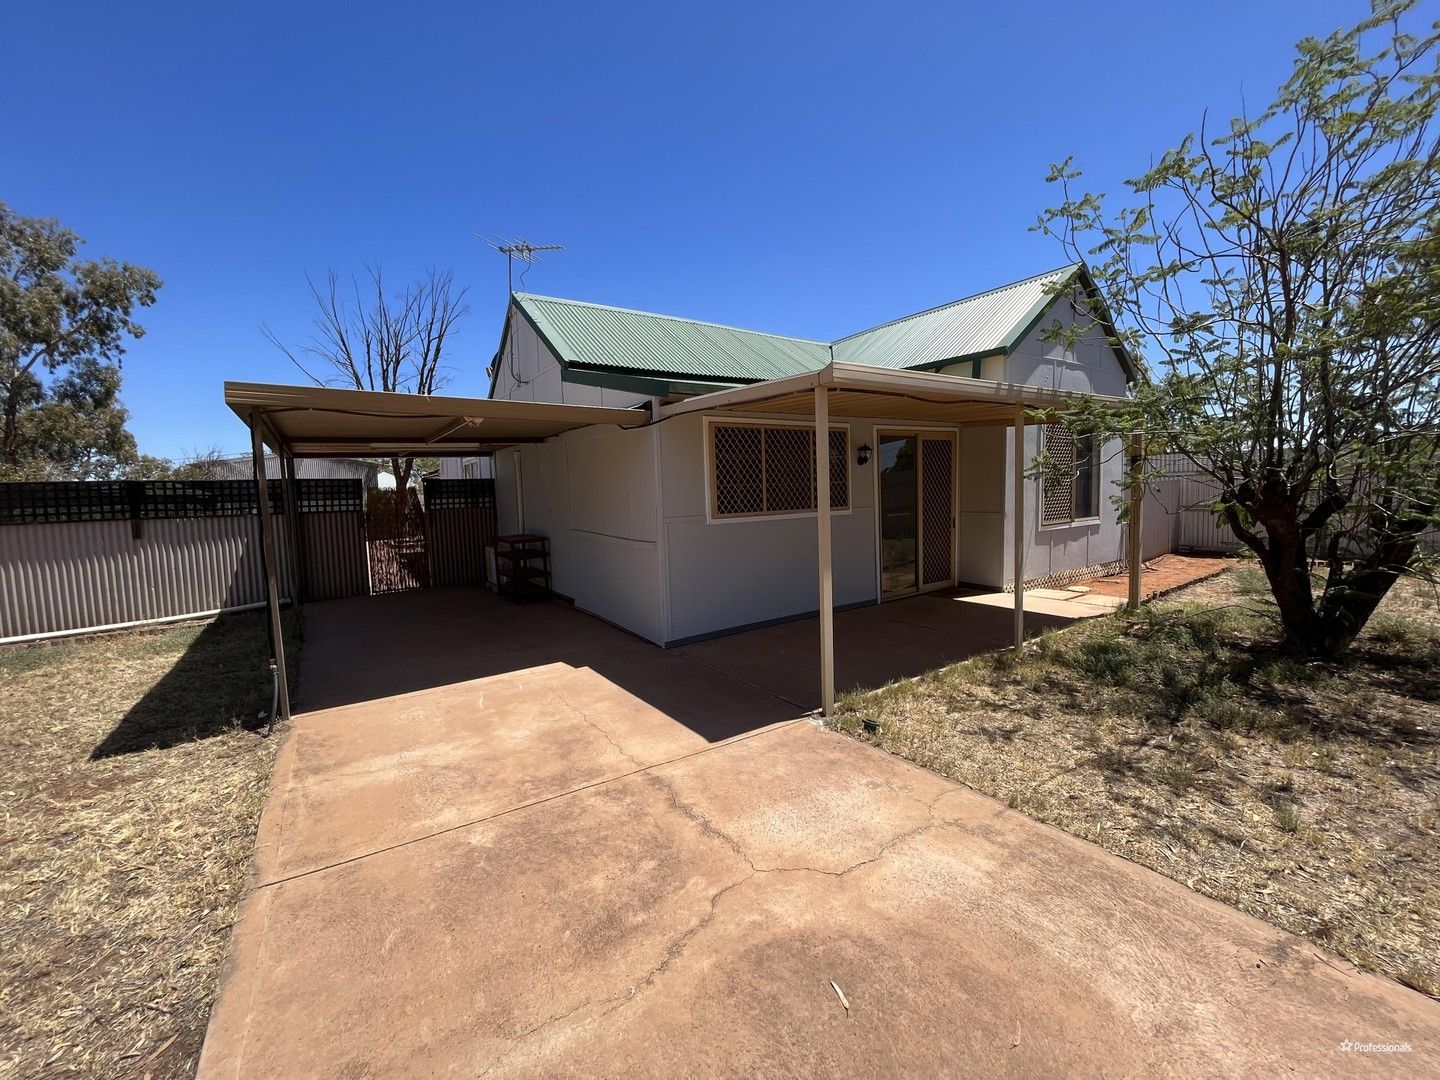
899,520
917,512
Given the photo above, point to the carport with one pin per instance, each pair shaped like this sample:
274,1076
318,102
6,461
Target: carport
861,390
325,422
318,421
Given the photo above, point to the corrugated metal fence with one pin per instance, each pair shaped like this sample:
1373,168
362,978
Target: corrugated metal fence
99,555
85,556
459,526
1179,517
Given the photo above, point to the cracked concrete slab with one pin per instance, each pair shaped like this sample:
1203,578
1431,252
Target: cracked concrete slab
686,915
572,702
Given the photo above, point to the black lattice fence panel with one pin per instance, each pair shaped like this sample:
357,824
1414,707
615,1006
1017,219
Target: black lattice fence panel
130,500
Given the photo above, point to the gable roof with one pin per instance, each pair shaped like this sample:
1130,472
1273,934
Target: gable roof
601,338
988,322
596,335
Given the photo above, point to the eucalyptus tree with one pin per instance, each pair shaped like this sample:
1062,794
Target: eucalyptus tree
1282,278
64,322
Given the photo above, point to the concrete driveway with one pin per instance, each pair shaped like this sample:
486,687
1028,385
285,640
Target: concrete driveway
516,841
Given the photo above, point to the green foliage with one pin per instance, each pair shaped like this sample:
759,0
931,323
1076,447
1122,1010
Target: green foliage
63,326
1283,278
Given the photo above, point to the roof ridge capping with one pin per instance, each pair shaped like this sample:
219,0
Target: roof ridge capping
1060,272
671,318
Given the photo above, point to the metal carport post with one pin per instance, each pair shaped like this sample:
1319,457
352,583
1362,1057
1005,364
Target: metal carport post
1017,525
822,532
271,561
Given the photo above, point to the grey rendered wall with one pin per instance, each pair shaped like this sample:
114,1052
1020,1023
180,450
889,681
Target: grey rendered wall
592,492
1089,367
1057,548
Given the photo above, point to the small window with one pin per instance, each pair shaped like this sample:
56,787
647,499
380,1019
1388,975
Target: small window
1071,492
770,469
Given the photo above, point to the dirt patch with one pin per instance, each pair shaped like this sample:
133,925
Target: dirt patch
132,781
1162,575
1304,793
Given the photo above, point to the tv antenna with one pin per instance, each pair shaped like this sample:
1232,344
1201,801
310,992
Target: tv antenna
518,248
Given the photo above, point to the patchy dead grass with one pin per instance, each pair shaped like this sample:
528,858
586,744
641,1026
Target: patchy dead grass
132,783
1304,793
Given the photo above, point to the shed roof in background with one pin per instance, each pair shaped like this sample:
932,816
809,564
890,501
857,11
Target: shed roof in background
319,421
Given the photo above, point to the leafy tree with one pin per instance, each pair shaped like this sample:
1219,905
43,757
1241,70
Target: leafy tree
63,325
74,429
373,340
1284,278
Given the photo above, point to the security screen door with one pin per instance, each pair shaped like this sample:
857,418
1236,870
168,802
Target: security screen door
917,512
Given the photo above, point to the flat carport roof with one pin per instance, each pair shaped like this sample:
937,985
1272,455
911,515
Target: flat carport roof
321,421
864,390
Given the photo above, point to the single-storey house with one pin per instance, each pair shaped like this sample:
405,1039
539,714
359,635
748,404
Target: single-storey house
694,479
702,521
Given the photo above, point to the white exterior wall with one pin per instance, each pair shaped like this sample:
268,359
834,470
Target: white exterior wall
733,573
626,511
529,371
981,517
592,492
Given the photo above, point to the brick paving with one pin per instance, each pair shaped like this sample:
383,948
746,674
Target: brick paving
1162,575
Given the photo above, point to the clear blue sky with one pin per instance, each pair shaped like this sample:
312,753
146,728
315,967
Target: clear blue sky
808,169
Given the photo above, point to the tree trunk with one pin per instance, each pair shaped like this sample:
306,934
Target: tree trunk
1288,571
1326,629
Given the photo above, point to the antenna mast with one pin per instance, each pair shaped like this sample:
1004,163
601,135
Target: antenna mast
521,249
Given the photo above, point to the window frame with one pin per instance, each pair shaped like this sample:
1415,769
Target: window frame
1092,518
713,517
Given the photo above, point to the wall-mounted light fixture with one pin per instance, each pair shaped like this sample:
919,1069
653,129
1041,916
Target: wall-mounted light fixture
862,455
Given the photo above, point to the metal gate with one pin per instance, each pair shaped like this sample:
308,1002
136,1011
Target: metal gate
460,525
331,539
395,541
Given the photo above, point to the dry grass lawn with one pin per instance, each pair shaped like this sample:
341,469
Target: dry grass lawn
1303,793
131,790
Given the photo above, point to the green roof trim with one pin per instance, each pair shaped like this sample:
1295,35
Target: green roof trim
645,352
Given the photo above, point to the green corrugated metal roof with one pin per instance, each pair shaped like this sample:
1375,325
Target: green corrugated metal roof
595,335
987,322
602,337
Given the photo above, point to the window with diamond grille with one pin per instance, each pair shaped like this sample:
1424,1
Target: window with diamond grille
1070,490
770,469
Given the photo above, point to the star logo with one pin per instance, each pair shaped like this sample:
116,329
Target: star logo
1346,1045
